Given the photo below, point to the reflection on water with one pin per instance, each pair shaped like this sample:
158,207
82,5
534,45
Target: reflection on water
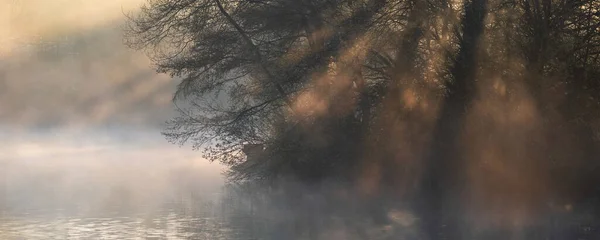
168,224
59,186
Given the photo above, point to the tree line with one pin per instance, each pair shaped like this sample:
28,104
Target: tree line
459,110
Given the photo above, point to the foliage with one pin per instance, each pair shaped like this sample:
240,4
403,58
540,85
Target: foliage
359,91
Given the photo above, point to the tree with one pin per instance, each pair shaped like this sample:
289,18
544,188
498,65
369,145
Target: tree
382,94
262,69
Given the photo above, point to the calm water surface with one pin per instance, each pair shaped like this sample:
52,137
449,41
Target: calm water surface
167,224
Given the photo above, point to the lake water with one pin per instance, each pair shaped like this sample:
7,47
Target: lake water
165,224
58,185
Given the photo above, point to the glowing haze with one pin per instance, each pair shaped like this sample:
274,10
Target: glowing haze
78,105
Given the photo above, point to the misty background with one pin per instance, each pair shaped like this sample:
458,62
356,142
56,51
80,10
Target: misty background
335,119
81,115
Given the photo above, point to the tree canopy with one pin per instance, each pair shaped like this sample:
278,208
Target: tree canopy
432,102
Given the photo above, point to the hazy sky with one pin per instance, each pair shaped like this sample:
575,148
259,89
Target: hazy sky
63,64
73,98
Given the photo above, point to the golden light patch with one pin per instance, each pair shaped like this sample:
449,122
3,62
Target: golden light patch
332,92
309,103
500,87
402,218
409,96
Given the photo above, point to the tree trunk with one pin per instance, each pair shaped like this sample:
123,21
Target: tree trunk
443,180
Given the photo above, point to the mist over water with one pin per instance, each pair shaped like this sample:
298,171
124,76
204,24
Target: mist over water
57,180
70,171
81,151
